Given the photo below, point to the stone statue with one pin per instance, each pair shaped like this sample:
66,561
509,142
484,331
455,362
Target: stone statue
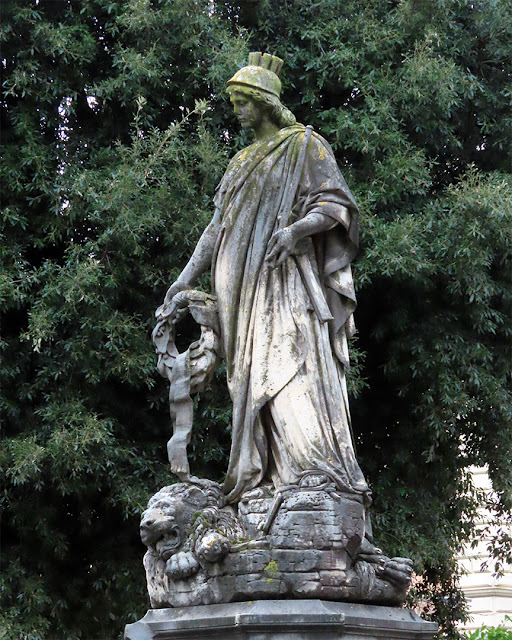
279,246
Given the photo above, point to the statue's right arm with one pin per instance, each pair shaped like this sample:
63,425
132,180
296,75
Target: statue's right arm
200,261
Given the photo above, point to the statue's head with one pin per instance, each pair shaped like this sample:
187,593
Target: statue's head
259,82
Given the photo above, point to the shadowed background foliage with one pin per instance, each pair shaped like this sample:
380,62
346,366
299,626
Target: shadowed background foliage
115,132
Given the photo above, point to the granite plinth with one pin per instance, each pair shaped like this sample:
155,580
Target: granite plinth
281,620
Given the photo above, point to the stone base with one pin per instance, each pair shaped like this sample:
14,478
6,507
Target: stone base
281,620
302,542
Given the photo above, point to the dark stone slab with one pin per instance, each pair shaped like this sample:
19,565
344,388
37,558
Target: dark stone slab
282,620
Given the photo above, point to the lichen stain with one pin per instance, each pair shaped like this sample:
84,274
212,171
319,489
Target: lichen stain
271,570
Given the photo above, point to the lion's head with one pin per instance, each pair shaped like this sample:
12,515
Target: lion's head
167,525
186,527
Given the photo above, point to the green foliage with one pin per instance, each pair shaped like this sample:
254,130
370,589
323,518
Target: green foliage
115,133
492,633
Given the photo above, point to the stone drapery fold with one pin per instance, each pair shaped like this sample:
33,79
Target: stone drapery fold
269,330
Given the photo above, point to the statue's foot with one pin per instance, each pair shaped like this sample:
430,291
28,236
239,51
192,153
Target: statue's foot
314,480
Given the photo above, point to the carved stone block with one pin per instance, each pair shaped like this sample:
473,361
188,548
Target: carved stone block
282,620
303,543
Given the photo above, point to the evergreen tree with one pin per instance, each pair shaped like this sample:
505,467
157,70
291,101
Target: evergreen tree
115,132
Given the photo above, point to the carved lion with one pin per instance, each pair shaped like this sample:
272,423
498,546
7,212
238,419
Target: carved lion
185,527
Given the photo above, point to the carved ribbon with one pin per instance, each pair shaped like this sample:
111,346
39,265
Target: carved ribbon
182,415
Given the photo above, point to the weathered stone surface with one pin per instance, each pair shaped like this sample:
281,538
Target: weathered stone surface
333,521
280,244
199,551
291,519
282,620
241,562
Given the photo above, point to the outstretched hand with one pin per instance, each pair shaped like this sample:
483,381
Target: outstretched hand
281,245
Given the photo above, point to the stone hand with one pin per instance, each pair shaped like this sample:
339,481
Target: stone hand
166,308
182,565
281,245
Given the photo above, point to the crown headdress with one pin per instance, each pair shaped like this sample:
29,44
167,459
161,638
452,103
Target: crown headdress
261,73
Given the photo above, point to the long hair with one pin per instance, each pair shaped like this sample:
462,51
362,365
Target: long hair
278,113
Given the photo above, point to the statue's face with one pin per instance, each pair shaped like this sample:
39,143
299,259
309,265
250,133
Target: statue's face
247,110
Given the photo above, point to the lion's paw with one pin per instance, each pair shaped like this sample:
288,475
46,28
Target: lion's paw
212,547
398,571
182,565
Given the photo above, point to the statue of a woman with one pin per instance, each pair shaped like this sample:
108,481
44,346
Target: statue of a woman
280,244
279,247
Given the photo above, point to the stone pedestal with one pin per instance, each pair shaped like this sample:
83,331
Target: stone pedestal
302,542
281,620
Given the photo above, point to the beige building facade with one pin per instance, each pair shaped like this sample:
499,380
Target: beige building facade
489,597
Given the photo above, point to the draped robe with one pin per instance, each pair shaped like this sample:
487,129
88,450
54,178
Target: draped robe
285,368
